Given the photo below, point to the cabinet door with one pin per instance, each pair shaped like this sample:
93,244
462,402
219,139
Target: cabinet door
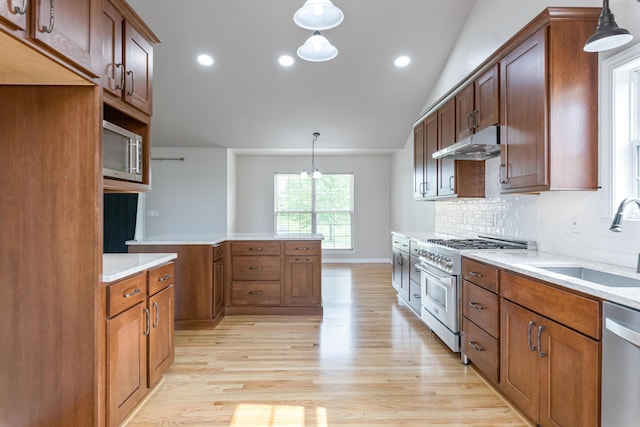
70,28
465,112
160,334
405,267
112,72
487,99
139,65
13,14
396,274
446,137
218,287
569,377
523,106
302,280
431,164
519,358
126,361
419,158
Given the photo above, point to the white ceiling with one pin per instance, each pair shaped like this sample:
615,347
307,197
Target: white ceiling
359,102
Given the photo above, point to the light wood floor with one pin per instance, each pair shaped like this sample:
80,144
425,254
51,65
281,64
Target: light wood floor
368,361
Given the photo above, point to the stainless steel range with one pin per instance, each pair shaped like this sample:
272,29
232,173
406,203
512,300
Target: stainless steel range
440,271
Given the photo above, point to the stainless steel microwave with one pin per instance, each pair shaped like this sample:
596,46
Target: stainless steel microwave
122,153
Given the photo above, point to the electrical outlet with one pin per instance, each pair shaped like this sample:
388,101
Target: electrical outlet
153,213
575,224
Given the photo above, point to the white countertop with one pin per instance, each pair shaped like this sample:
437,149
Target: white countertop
118,266
423,236
215,238
528,263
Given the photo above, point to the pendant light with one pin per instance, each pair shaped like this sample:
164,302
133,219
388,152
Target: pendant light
608,35
318,15
313,170
317,49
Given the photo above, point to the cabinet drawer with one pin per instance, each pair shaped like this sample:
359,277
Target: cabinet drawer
481,307
480,274
218,251
414,273
255,248
160,278
302,248
575,311
255,293
481,348
401,243
125,294
256,268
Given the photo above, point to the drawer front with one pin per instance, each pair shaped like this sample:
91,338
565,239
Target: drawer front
255,268
126,293
401,243
255,293
160,278
302,248
574,311
482,349
414,273
218,251
481,274
481,307
259,247
414,295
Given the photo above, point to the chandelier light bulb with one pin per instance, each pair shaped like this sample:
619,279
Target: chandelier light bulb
318,15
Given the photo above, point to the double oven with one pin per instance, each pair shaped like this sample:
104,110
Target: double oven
440,273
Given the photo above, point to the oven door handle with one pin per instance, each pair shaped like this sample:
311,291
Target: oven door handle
443,278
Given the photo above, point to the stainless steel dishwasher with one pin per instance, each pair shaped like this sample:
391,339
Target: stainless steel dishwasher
620,366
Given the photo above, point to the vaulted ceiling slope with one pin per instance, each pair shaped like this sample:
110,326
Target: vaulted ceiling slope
248,102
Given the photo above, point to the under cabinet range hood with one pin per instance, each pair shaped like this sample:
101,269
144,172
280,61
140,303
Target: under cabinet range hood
481,145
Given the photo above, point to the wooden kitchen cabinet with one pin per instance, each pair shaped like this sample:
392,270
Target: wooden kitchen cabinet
549,370
219,259
446,138
161,311
127,58
425,143
302,273
549,98
13,15
478,104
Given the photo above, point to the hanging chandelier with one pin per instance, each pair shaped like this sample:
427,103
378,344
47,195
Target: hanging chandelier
312,171
318,15
317,49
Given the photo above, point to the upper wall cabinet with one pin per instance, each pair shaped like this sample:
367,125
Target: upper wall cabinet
67,30
425,143
478,104
549,98
127,58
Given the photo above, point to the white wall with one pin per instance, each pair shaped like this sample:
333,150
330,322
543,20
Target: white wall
189,196
546,218
231,192
254,203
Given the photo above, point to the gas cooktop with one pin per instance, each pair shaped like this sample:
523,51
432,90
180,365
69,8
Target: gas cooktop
480,243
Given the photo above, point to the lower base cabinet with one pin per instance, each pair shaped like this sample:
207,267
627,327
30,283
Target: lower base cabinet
140,346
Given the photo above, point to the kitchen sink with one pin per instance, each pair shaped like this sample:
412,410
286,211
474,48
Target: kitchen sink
596,276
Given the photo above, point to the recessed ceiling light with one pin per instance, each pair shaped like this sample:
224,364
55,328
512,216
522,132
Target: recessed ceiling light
205,60
402,61
286,60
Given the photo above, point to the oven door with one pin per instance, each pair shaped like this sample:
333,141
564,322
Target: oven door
440,296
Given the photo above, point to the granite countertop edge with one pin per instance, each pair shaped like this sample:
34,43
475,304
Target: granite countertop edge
119,266
214,239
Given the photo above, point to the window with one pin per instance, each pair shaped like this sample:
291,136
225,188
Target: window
318,206
620,89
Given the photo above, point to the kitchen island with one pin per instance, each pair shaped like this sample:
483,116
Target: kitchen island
241,273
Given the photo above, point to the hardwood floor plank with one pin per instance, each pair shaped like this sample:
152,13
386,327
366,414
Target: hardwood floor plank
368,361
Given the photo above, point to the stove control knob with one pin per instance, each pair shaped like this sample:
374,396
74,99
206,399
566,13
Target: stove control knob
449,264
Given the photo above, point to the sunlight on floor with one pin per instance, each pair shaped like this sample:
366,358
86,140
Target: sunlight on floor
254,415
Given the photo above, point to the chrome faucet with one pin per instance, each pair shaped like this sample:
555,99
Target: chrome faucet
616,225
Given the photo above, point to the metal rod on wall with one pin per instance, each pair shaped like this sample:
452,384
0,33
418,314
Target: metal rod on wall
162,159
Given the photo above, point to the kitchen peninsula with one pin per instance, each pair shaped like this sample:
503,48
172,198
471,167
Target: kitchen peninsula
240,273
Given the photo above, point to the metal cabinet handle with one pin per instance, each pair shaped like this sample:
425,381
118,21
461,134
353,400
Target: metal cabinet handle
531,325
49,29
469,125
476,306
416,296
155,321
476,346
147,320
399,260
220,251
256,268
474,274
129,295
501,177
452,183
165,277
120,86
302,259
255,292
475,118
541,353
302,248
255,249
21,10
133,81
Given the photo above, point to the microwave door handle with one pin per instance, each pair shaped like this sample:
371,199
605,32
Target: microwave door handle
138,148
130,156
